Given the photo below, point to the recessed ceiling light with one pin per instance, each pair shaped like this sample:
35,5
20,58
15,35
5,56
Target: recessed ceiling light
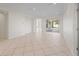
34,9
54,3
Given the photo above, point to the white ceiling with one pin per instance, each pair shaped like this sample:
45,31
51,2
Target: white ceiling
36,9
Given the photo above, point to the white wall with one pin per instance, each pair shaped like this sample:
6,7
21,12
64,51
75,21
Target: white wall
18,24
38,25
3,25
44,25
28,25
69,26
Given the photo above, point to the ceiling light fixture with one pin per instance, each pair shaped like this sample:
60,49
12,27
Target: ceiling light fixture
54,3
34,9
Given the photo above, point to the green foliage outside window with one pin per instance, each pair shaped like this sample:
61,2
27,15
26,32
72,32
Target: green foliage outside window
52,24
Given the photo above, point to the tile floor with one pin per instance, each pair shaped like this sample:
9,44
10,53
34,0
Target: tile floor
35,44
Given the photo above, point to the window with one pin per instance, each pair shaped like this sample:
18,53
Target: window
52,24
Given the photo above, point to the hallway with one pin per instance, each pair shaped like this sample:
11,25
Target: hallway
35,44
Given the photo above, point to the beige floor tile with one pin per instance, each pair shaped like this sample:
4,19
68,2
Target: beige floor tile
26,49
39,53
35,44
1,52
28,45
18,52
29,53
8,52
